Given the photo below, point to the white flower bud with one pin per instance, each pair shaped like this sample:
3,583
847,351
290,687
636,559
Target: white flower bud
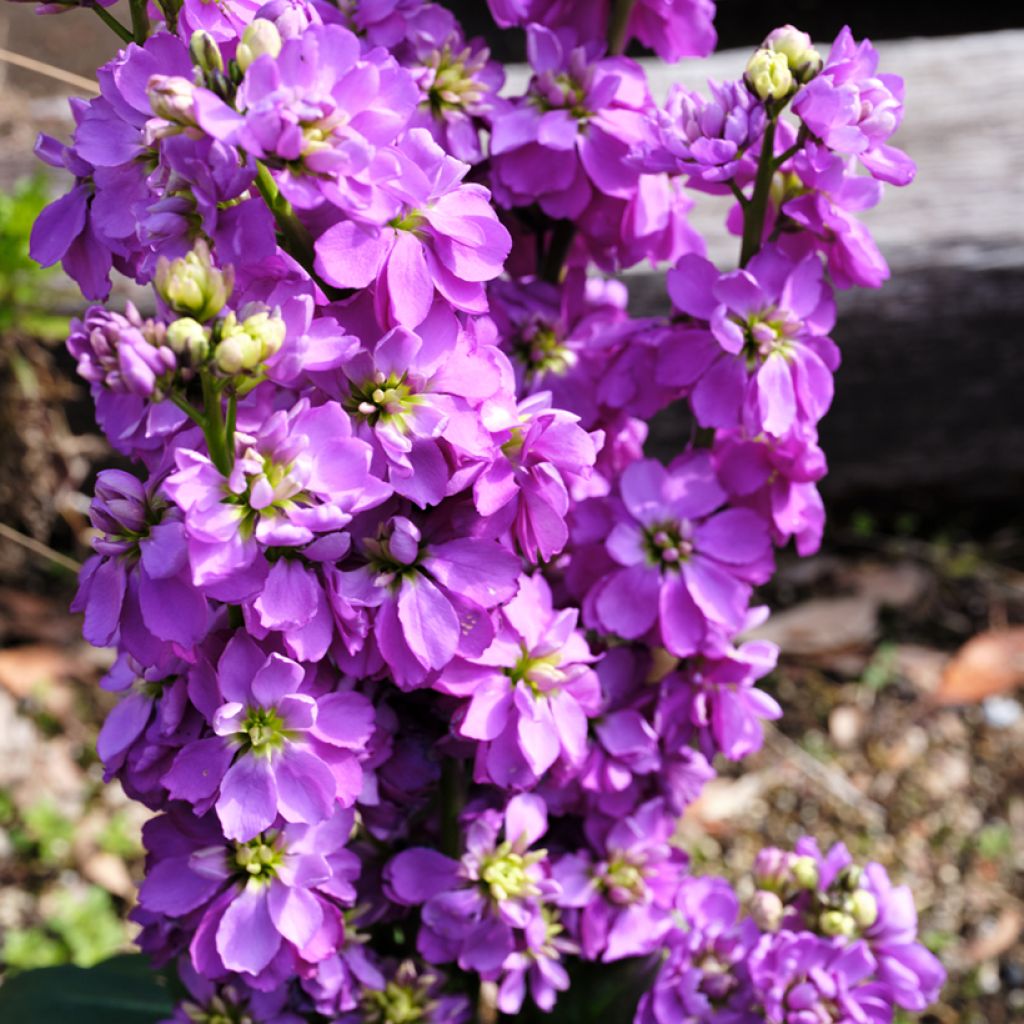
172,98
247,343
260,37
863,908
192,286
188,336
768,75
804,60
205,52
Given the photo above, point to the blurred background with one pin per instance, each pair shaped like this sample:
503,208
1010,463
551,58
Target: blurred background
903,640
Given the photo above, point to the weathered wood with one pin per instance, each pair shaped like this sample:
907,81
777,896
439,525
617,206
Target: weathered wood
929,397
929,393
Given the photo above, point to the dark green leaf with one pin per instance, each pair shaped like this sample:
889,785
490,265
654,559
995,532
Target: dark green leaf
123,990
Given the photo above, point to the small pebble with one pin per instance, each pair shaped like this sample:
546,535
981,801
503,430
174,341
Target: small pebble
1002,712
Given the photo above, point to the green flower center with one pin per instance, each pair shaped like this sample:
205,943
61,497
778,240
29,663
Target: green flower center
259,858
454,86
411,220
623,880
667,545
505,873
765,334
262,731
541,674
541,351
398,1002
381,399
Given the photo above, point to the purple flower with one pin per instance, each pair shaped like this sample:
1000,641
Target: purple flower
137,587
571,135
775,477
475,908
536,966
853,109
529,481
123,354
431,599
458,82
228,1000
260,907
442,238
705,978
322,114
913,975
672,28
771,320
724,704
64,231
297,475
549,330
683,567
406,990
625,899
803,979
277,748
530,692
123,358
417,398
825,197
708,138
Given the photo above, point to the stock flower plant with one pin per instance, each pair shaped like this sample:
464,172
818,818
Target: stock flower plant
420,658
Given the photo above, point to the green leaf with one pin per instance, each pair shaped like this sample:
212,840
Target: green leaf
123,990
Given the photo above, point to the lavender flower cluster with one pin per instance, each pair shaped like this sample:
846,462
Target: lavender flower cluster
420,659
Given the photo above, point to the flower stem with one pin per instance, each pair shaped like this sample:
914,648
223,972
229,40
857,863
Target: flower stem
140,20
754,212
452,798
295,239
621,10
558,249
113,24
213,426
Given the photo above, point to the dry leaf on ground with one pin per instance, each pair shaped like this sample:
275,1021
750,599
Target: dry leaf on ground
989,663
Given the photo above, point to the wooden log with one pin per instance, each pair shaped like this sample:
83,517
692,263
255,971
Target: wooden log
930,397
929,390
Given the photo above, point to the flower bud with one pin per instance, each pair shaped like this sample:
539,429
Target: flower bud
768,76
805,872
205,52
767,910
172,98
803,59
192,286
849,878
834,923
260,37
245,344
863,908
188,336
772,868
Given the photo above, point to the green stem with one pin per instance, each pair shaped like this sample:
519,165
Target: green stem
229,429
140,20
738,193
452,798
187,410
754,212
113,24
558,249
171,9
213,425
295,239
621,10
